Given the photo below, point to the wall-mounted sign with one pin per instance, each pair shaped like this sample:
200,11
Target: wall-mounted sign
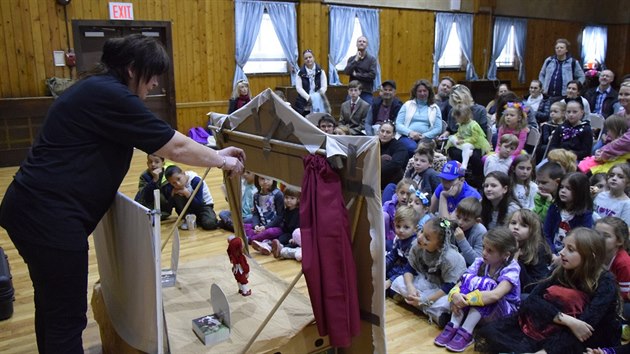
120,11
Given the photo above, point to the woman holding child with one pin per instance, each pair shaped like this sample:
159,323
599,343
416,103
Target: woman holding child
73,171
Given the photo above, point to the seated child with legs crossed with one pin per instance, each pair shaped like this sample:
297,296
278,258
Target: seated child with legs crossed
151,179
406,221
290,222
502,160
289,225
468,237
268,212
489,290
434,268
248,189
179,191
469,135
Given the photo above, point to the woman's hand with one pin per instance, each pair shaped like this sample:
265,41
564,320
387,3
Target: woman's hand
415,135
234,160
581,330
594,351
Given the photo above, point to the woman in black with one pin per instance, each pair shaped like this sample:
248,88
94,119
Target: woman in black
72,173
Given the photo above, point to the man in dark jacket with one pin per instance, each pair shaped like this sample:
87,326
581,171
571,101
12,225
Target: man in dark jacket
603,97
384,108
362,67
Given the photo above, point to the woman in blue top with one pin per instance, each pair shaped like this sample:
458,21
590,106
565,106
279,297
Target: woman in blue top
72,173
419,117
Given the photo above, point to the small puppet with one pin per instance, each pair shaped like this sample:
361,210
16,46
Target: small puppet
240,268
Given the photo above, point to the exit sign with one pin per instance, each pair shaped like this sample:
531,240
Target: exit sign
120,11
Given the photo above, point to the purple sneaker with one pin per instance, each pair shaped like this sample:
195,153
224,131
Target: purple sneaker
461,341
446,336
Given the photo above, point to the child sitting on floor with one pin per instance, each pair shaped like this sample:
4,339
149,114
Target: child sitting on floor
469,235
179,191
268,211
489,290
248,189
151,179
406,221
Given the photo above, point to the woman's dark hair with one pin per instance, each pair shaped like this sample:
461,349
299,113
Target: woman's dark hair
579,185
502,208
578,84
429,87
144,56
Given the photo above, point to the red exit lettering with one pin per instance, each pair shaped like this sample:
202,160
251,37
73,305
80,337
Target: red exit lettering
121,11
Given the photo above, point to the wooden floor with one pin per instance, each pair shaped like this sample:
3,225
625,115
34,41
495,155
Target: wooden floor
406,332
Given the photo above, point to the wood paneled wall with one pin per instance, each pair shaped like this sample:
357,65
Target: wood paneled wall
203,46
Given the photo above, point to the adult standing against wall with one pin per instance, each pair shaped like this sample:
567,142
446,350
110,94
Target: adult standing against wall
362,67
603,97
557,70
72,173
419,117
311,86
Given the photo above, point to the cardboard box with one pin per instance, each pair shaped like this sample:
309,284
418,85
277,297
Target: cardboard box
214,328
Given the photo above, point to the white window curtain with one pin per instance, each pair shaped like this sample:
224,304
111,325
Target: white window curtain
247,19
594,44
443,26
502,26
283,18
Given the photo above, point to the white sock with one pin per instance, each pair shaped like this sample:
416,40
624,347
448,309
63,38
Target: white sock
471,320
457,319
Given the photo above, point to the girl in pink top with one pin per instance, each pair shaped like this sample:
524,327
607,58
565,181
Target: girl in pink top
513,121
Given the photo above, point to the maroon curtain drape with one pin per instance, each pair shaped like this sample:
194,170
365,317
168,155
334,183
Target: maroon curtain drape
327,259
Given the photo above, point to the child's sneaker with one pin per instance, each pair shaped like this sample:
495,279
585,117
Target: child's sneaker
184,226
276,248
446,336
262,247
460,341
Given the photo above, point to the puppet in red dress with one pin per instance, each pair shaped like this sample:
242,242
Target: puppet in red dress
240,268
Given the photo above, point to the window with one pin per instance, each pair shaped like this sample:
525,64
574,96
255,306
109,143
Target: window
452,56
267,55
507,58
594,41
352,49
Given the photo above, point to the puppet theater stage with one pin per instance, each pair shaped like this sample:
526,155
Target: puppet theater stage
276,141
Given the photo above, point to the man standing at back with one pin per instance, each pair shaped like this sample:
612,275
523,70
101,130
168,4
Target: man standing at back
603,97
362,67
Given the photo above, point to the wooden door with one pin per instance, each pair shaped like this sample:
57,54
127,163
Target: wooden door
89,37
